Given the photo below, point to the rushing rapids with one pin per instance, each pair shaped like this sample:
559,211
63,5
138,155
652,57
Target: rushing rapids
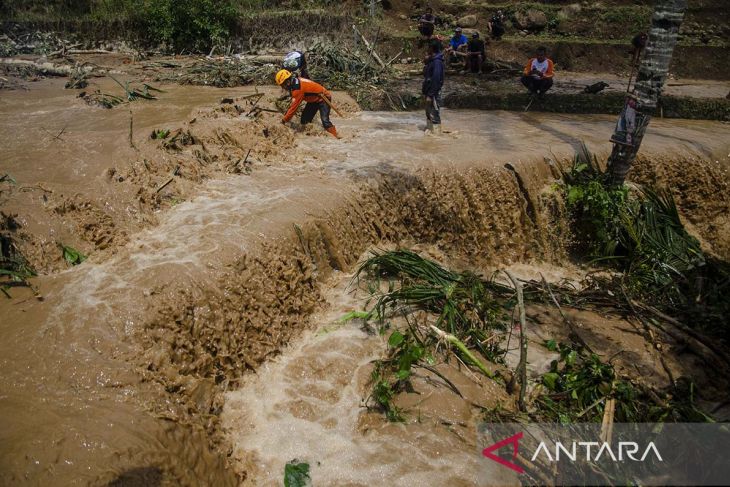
122,371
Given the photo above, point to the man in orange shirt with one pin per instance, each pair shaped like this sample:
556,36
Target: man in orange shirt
302,89
538,75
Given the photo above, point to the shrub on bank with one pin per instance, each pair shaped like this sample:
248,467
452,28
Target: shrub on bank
178,24
195,25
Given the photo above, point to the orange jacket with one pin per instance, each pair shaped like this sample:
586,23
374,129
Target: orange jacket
303,89
547,74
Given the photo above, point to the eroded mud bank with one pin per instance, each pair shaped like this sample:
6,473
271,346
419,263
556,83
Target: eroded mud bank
121,370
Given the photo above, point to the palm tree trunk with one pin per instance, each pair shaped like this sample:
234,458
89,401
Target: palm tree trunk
665,23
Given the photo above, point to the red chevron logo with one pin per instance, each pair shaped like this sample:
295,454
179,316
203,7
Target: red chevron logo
515,441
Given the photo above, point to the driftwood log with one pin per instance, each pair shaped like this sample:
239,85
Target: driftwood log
46,68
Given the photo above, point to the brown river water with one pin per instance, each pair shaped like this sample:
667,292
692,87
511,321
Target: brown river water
121,373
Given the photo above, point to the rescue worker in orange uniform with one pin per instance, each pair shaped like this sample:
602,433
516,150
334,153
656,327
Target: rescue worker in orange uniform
302,89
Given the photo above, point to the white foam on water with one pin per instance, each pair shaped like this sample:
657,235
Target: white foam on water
307,404
189,238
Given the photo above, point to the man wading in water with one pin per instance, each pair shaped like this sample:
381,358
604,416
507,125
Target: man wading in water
316,96
433,80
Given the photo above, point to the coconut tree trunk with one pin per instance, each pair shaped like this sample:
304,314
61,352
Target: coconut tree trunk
665,23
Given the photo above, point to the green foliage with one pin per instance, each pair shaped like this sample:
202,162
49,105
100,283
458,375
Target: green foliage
391,374
579,383
190,24
658,251
640,233
71,255
575,381
597,207
631,19
297,474
195,25
159,134
460,302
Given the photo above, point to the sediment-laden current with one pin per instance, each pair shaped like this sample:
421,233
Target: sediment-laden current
121,371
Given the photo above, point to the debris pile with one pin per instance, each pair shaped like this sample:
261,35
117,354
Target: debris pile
472,316
14,42
14,268
223,73
657,279
107,100
334,65
342,68
77,80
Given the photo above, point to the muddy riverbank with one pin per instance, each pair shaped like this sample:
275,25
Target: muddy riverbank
122,368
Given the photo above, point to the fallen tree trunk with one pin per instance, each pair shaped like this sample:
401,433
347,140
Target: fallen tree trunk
46,68
91,51
264,59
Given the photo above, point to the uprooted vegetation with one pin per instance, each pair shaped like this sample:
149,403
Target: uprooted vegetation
335,65
638,231
652,273
15,270
131,93
474,316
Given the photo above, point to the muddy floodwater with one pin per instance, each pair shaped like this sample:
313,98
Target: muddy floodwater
121,370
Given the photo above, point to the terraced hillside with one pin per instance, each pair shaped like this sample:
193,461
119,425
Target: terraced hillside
581,36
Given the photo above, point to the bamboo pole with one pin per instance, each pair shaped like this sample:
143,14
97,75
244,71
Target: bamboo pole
522,365
368,47
327,101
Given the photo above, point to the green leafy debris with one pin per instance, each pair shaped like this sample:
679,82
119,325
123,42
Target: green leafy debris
579,383
576,387
7,178
159,134
354,315
639,232
297,474
14,267
71,255
462,303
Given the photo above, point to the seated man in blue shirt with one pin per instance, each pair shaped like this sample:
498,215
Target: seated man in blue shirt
457,46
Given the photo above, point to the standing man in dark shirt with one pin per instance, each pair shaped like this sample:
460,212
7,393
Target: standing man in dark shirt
426,23
433,80
475,54
496,26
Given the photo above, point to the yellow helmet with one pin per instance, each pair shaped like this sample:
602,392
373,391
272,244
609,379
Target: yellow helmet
282,76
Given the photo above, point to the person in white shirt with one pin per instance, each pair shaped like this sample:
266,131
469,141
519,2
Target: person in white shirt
538,74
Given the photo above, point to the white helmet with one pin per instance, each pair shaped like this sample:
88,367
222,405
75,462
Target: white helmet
293,60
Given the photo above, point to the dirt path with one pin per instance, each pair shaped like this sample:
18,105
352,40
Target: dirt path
122,363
